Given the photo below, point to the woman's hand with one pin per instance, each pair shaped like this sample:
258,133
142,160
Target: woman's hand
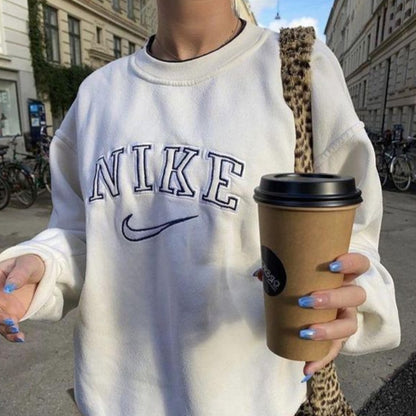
345,299
19,278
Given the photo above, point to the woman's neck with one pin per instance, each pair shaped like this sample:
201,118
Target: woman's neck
191,28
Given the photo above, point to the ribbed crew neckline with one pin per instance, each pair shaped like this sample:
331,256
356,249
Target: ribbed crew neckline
198,69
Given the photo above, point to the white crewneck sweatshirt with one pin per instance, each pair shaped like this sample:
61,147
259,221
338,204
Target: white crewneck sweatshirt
154,229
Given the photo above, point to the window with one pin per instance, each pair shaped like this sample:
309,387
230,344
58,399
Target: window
130,9
51,34
98,34
132,48
368,45
116,5
9,113
117,47
74,40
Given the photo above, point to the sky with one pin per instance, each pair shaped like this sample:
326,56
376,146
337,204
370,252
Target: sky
293,13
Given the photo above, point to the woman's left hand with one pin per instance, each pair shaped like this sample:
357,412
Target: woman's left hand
345,299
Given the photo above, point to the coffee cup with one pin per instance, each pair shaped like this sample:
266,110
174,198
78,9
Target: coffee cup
305,223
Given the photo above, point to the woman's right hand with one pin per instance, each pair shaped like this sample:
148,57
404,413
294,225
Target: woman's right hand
19,277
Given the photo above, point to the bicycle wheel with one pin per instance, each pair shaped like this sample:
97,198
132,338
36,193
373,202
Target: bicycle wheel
382,168
4,194
401,173
21,185
46,177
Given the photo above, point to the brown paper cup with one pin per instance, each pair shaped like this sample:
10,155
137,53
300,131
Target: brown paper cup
305,223
299,244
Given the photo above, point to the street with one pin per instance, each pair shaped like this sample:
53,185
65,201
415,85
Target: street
36,376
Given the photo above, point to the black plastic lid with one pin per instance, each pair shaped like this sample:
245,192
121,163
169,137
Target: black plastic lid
307,190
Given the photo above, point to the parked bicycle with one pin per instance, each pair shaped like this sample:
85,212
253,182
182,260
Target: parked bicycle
403,166
4,193
385,151
38,160
17,177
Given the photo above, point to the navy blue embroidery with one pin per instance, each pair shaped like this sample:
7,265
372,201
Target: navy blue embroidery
141,234
219,181
111,180
141,168
174,169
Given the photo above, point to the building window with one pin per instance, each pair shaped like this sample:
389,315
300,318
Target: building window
74,40
408,13
132,48
98,34
116,5
9,109
130,9
51,34
117,47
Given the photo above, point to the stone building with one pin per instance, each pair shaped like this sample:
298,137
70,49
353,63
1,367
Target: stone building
375,42
16,75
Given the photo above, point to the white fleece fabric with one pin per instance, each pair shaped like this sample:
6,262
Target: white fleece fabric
154,229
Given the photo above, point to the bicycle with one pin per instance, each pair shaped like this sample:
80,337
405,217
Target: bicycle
17,177
4,194
385,153
38,160
402,168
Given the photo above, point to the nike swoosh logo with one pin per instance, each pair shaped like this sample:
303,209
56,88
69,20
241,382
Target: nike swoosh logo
139,234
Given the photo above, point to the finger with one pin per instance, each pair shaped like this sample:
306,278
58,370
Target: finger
342,297
351,264
312,367
6,267
343,327
27,269
11,332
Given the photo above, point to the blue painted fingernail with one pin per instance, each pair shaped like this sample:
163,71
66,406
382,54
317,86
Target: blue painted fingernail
18,339
306,302
8,322
335,266
307,333
13,330
307,378
9,288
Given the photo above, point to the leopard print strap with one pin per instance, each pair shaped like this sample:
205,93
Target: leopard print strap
295,52
325,397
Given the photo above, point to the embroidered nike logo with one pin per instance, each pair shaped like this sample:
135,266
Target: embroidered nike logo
139,234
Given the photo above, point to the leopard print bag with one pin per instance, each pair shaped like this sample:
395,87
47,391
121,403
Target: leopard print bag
325,397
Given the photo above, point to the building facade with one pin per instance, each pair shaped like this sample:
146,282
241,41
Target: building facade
375,42
17,85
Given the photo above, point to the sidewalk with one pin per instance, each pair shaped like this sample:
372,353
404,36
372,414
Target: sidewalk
37,375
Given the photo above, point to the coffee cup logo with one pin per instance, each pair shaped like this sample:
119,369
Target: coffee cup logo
274,274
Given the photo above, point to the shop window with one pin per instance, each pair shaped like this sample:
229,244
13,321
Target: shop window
117,47
74,40
9,109
51,34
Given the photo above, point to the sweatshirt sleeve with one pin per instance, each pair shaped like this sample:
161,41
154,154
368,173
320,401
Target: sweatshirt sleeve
62,244
341,146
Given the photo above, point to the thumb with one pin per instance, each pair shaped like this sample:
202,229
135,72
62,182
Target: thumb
20,271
